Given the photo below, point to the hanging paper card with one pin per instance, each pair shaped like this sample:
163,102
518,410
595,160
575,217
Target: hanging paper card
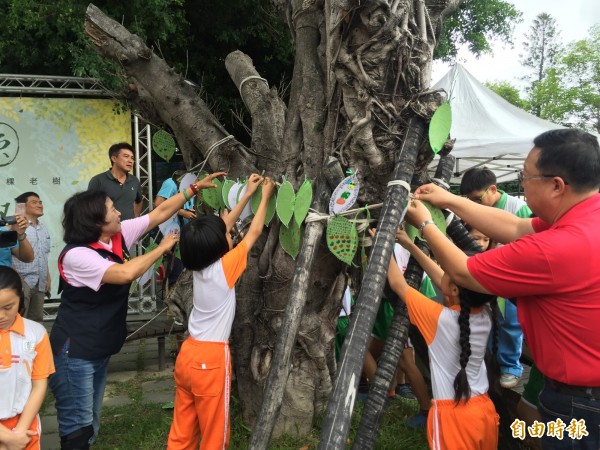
411,231
286,199
212,196
178,252
438,216
439,127
247,211
186,180
342,239
344,195
303,201
170,226
163,144
201,176
290,238
232,195
227,185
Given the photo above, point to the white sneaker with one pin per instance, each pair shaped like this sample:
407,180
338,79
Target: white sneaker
508,381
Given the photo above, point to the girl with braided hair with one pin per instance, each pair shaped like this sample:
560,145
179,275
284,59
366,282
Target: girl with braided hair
462,416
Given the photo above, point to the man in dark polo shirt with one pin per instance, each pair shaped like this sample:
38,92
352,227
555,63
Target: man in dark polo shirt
122,187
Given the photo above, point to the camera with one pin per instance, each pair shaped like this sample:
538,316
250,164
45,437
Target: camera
8,239
7,220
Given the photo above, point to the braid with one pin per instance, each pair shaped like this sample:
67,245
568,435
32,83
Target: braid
461,383
493,366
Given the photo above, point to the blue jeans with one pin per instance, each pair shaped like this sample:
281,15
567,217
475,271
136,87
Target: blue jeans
555,405
510,341
78,386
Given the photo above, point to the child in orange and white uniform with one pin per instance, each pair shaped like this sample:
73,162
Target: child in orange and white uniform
25,364
462,416
203,367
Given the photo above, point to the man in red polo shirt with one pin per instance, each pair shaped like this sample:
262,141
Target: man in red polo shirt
551,264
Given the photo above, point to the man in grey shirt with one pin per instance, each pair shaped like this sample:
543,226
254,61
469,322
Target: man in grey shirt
122,187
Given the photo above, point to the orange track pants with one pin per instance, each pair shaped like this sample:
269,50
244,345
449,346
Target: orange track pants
466,426
34,443
202,388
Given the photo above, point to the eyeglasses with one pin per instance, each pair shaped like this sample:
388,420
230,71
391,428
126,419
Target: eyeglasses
522,177
481,197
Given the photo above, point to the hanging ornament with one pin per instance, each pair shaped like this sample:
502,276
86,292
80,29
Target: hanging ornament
227,185
342,239
436,215
439,127
232,195
163,144
286,199
344,195
290,238
213,196
303,201
247,211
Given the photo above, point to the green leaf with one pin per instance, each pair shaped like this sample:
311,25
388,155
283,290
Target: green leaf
158,262
227,185
303,201
290,238
439,127
437,215
163,144
213,196
286,199
200,199
177,252
342,239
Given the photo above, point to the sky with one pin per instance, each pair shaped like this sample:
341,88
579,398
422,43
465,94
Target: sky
573,18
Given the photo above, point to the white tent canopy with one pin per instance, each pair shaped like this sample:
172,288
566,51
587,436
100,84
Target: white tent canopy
489,131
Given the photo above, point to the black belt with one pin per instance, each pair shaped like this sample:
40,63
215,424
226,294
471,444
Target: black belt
576,391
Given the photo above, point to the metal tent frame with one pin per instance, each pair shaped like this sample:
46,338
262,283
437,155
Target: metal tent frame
143,301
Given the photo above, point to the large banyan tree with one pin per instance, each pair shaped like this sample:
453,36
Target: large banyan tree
359,101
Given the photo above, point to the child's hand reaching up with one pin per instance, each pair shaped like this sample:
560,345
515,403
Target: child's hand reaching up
254,181
206,182
268,188
402,237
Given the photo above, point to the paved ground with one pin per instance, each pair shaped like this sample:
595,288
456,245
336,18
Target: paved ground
138,357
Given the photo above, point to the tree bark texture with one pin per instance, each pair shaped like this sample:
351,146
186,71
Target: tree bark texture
362,70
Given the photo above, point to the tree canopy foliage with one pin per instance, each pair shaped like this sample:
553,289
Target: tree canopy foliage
46,38
508,92
569,94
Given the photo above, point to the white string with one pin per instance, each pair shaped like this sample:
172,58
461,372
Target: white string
252,77
402,183
315,216
441,183
210,150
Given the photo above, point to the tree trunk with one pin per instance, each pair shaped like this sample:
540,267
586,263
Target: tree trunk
359,75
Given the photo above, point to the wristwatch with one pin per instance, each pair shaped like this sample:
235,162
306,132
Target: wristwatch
22,238
423,225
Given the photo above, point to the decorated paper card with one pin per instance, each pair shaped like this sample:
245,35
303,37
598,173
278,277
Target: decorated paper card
437,215
286,199
344,196
212,196
342,239
439,127
186,180
227,185
247,211
290,238
303,201
232,195
163,144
